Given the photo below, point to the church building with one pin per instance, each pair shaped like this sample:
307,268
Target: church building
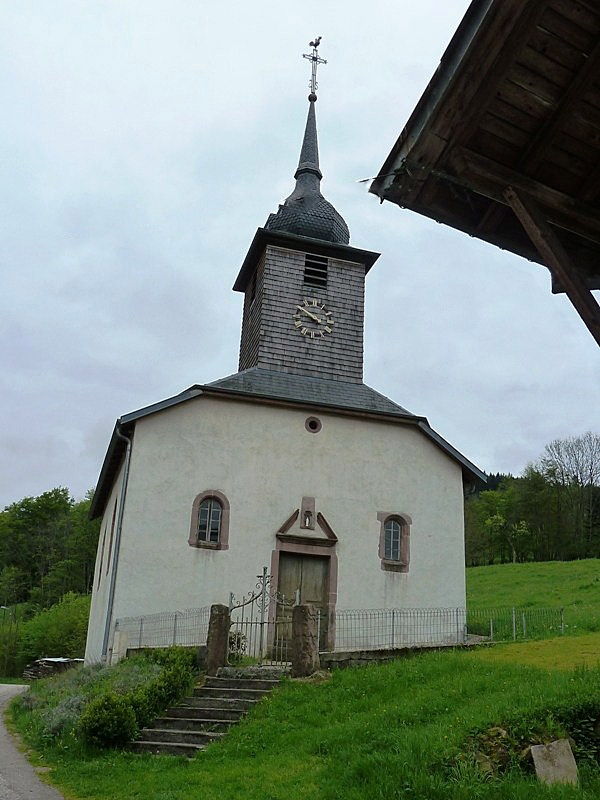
292,462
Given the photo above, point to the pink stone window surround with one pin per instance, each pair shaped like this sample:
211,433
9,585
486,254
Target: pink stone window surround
394,541
222,541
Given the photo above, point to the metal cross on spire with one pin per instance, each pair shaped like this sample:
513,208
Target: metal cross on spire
315,58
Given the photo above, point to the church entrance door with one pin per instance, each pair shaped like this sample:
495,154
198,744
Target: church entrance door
309,576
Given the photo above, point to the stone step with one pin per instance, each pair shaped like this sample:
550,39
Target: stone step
202,712
187,750
242,704
179,736
230,694
193,723
205,717
261,672
264,684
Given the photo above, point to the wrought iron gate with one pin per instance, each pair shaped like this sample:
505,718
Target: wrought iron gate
261,624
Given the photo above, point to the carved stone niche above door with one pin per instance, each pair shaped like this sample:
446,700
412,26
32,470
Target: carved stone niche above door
304,526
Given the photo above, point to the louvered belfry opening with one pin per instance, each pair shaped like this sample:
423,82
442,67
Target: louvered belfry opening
315,271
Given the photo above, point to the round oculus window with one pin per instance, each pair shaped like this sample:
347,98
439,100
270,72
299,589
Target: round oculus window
313,424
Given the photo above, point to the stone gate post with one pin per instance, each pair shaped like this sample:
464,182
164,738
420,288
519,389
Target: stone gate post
218,638
305,641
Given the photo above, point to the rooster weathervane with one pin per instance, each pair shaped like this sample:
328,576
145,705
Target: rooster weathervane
315,60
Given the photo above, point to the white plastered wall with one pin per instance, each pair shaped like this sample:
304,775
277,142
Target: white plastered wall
102,575
265,461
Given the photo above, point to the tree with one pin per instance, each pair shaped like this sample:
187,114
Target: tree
47,548
572,466
13,586
82,544
550,512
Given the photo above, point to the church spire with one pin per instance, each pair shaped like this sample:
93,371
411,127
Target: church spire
309,154
306,212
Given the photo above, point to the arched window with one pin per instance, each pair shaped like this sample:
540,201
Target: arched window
394,541
391,543
209,525
210,514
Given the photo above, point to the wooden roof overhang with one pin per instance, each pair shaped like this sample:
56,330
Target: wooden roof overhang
504,144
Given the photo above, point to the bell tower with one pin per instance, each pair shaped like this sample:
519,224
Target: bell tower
303,283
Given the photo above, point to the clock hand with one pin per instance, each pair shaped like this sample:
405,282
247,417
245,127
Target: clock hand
309,314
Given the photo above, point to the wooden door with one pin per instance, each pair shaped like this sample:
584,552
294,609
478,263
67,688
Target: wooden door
309,575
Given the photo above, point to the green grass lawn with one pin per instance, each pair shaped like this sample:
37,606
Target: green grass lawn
553,654
573,585
389,731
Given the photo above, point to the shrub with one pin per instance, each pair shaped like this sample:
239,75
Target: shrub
169,656
132,674
59,631
63,717
89,702
108,721
144,706
174,680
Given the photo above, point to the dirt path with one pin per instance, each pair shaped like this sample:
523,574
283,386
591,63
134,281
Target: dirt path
18,779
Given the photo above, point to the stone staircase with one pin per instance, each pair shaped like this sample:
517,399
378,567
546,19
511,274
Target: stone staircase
205,717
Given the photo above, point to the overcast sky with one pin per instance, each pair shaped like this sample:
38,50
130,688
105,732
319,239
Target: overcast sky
144,142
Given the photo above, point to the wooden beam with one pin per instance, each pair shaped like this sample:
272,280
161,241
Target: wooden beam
591,187
489,178
556,258
543,140
539,146
487,68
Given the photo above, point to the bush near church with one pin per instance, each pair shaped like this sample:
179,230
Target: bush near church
101,706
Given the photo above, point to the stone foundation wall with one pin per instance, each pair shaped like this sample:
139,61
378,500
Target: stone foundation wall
361,658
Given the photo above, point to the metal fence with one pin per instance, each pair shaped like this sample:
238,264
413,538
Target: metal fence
187,628
513,624
388,628
259,634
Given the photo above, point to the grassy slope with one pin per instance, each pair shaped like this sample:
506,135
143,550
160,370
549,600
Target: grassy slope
574,585
379,732
554,654
382,732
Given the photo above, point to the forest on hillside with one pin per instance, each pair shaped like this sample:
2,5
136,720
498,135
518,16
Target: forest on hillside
550,513
47,549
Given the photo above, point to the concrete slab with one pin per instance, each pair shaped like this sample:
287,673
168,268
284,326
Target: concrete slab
554,762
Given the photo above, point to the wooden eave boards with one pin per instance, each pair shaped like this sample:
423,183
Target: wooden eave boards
514,105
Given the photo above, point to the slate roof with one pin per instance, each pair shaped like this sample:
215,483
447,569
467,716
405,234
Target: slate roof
306,212
306,389
309,215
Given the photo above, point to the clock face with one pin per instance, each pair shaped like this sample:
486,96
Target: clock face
313,319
